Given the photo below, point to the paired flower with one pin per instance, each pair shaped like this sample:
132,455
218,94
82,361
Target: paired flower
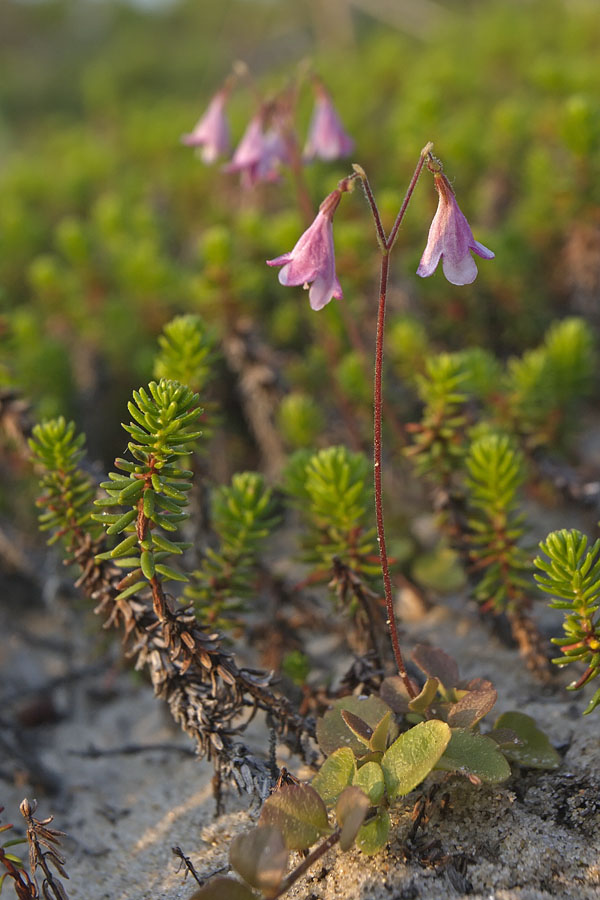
212,130
451,240
312,259
326,136
258,154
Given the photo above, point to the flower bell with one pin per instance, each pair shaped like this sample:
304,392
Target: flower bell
312,259
258,154
451,240
212,130
326,136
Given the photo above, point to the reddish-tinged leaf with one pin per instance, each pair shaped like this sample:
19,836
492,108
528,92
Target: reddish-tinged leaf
471,708
393,692
357,726
298,812
332,731
260,857
350,812
436,663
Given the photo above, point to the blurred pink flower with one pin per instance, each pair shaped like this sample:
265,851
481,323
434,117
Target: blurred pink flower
312,259
326,136
258,154
451,240
212,130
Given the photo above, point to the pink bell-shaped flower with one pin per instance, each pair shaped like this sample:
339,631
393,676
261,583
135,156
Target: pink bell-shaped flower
258,154
451,240
312,259
326,136
212,130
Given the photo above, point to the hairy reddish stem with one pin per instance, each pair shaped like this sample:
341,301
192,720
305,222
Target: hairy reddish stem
386,245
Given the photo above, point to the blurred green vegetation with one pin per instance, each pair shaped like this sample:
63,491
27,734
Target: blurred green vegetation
109,227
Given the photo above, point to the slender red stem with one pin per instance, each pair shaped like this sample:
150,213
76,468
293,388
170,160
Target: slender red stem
425,154
377,406
386,245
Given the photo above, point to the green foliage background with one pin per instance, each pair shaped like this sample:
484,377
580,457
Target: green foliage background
109,227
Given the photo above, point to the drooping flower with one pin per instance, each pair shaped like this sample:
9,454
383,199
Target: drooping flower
326,136
312,259
212,130
258,154
273,156
451,240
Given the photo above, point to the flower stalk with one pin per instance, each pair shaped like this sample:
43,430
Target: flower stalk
386,244
312,261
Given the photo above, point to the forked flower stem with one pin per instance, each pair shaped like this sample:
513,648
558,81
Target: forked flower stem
386,244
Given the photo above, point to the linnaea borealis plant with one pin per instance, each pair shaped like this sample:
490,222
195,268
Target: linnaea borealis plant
379,743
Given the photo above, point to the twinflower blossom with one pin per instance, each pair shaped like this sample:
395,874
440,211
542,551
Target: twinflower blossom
326,136
312,259
212,130
451,240
258,154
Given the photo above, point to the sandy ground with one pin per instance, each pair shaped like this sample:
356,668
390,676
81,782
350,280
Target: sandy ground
536,836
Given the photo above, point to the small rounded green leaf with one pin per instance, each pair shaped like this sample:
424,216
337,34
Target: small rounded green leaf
350,812
370,779
299,813
420,703
412,757
335,774
536,751
373,836
469,753
381,734
260,857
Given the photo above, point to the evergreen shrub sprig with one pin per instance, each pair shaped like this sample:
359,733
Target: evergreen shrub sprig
331,488
243,517
68,492
570,572
152,486
437,446
187,354
544,388
495,471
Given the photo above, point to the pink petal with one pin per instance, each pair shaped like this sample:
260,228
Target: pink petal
321,292
482,251
279,260
459,270
429,261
